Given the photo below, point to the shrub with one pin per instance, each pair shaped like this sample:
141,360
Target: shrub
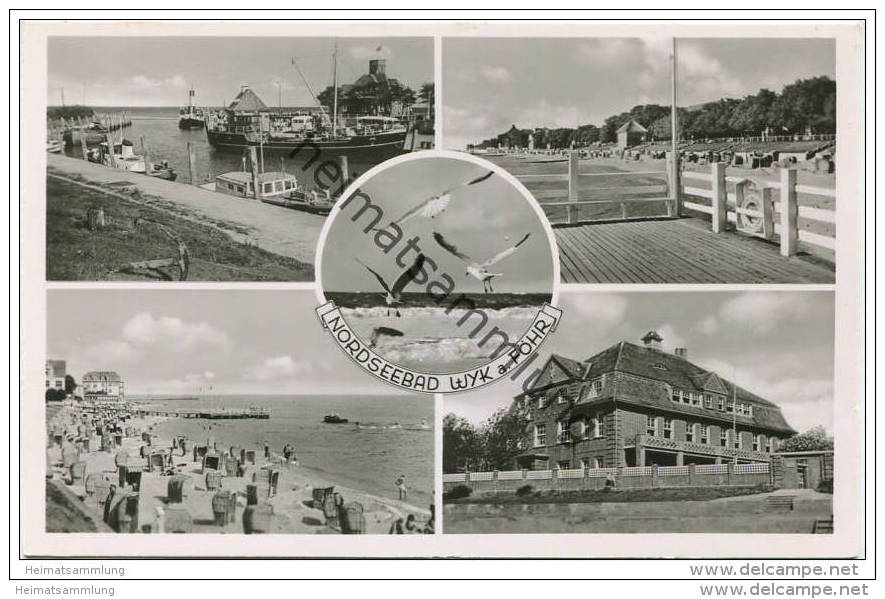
825,486
459,492
524,491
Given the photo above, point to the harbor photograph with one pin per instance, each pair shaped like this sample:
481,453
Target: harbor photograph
656,412
736,184
191,411
221,167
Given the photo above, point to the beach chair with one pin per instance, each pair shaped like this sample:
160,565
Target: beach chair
213,462
247,456
319,496
224,507
176,488
231,467
157,462
78,473
258,519
133,480
213,480
353,519
331,506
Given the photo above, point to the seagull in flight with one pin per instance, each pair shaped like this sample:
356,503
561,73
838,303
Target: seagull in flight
436,205
393,295
479,269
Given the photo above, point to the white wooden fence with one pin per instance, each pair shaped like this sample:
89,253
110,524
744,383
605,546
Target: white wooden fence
779,216
573,473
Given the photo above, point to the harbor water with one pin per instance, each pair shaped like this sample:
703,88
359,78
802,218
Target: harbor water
165,141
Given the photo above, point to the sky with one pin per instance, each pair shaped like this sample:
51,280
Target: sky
158,71
489,84
176,341
481,221
777,344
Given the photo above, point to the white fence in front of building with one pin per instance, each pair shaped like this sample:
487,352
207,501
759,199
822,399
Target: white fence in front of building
577,473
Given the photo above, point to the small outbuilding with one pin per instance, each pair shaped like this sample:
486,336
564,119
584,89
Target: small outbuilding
631,134
802,469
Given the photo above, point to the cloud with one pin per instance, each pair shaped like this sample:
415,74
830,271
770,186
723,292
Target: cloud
107,355
763,312
596,312
708,325
672,339
496,74
369,52
277,368
172,333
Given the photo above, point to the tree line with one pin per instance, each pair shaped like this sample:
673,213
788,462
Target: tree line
375,98
808,105
493,445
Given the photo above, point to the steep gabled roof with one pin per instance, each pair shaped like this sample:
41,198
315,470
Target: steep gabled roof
632,126
658,365
247,101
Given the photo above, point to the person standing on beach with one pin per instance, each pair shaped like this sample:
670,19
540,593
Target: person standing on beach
266,449
401,487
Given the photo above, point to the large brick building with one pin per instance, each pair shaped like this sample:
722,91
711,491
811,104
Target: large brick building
638,405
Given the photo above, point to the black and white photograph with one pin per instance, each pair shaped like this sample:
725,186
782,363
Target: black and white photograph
191,412
588,125
438,262
644,416
222,166
429,295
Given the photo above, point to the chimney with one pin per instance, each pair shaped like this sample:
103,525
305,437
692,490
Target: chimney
652,340
682,352
377,66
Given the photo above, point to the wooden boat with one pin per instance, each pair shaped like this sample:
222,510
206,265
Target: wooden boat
53,146
334,419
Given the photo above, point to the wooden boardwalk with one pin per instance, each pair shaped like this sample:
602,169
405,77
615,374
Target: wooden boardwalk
677,251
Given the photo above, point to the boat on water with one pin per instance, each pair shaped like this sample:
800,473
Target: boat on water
94,133
54,146
191,117
123,157
248,121
334,419
274,187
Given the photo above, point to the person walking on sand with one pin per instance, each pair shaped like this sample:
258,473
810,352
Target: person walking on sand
401,487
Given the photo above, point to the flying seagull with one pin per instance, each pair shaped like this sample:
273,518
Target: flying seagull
379,332
393,294
436,205
479,269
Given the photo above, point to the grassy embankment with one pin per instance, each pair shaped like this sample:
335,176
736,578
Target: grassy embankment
74,253
612,495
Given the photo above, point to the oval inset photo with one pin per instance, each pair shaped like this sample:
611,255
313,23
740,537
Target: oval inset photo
438,261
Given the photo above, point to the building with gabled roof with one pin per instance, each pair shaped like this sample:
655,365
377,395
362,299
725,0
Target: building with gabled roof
247,101
630,134
102,385
639,405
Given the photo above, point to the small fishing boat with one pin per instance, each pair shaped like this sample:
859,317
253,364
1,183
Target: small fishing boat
334,419
124,158
54,146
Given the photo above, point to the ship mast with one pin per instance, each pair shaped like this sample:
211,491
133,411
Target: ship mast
335,84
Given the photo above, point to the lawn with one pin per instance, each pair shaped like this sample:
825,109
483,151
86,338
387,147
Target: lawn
137,231
613,495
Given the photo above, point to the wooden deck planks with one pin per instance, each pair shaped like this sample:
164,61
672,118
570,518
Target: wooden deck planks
676,251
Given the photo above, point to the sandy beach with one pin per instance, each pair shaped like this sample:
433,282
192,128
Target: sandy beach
292,503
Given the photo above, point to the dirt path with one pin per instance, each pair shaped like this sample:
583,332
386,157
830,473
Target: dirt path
275,229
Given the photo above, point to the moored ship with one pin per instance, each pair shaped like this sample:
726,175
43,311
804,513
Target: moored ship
191,117
248,121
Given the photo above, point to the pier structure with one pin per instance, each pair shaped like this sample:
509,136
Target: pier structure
203,412
656,222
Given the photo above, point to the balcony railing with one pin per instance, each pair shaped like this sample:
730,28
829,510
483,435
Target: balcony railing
690,447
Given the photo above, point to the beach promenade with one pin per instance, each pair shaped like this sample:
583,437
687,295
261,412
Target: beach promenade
292,502
275,229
